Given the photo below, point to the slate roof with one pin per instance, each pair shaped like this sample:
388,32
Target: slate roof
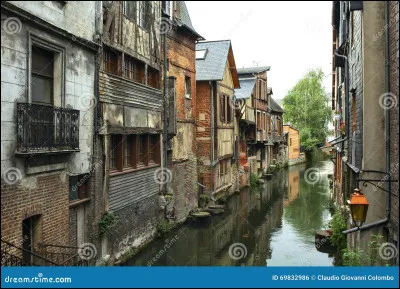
185,20
276,107
246,88
250,70
269,90
213,66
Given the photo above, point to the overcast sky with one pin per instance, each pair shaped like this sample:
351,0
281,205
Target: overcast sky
291,37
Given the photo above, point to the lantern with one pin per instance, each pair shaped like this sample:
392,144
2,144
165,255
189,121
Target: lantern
358,207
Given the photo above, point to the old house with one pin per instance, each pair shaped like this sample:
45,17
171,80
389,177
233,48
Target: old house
130,146
277,153
216,79
253,127
182,159
364,88
48,65
293,143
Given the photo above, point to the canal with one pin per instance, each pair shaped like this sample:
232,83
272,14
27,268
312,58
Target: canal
272,225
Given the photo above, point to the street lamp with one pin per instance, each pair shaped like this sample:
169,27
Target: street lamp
358,207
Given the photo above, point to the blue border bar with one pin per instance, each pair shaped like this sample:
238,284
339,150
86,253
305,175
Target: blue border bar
200,277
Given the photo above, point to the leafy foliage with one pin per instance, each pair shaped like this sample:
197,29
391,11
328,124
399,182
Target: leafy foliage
106,223
306,108
253,180
338,225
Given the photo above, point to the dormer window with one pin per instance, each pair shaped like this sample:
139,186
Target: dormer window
201,54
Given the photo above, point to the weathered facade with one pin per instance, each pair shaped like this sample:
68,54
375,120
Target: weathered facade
278,153
48,85
364,85
182,159
130,143
216,79
255,119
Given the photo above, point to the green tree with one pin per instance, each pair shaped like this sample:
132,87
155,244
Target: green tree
306,108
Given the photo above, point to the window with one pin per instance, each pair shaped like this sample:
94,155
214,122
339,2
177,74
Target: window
290,142
79,187
134,151
269,124
258,120
42,76
134,69
168,8
201,54
264,121
153,78
137,11
223,167
110,61
279,127
188,87
225,109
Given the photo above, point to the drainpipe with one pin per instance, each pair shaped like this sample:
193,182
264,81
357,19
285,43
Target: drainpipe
387,115
165,129
211,139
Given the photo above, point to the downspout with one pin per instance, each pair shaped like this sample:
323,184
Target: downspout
165,129
211,139
346,71
387,116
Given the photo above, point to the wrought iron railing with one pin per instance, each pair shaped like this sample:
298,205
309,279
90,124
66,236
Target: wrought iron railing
12,255
47,255
46,128
64,255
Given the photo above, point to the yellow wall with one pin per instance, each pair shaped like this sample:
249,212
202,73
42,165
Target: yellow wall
293,142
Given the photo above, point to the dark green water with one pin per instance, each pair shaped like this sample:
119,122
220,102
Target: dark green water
273,225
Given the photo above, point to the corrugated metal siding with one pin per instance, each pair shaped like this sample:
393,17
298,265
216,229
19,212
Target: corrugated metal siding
130,188
116,90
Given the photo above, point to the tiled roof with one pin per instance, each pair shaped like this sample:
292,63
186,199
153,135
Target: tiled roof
212,67
276,107
246,88
249,70
185,19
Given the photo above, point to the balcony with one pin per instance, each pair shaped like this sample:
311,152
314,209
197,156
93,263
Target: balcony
248,114
46,129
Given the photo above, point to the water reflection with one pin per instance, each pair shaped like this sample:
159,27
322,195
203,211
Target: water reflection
275,223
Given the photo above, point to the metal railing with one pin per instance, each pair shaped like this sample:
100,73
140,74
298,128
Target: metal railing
46,128
63,255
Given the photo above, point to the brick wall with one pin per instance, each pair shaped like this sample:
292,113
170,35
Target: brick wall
47,196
